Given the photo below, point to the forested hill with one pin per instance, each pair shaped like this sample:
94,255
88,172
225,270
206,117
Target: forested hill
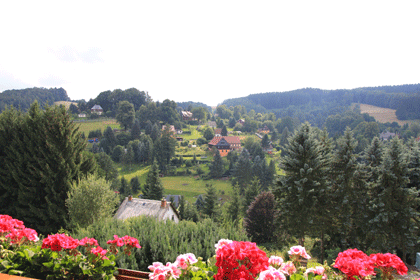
190,104
404,98
23,98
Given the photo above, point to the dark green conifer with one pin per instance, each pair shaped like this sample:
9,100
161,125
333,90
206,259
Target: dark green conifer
153,189
216,167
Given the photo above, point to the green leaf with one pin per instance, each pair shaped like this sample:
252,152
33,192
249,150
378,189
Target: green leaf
296,277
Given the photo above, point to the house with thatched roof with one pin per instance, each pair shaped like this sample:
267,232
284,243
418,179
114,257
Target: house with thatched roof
134,207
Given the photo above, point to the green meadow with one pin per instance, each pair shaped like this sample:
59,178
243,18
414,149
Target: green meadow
90,125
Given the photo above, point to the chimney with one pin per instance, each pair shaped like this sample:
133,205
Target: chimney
163,203
130,198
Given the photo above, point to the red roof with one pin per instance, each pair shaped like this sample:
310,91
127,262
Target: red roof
229,139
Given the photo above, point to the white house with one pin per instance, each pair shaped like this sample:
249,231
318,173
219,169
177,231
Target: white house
160,209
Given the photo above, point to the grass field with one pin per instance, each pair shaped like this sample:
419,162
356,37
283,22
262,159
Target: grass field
102,124
65,103
190,187
382,115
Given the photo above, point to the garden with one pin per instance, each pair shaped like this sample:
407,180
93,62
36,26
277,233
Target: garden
60,256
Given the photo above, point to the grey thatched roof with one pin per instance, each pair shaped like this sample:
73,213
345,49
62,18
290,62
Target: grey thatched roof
143,207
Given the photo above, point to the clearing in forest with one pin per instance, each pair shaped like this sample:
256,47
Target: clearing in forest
382,115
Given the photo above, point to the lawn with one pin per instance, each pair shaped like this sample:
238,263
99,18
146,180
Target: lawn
190,187
90,125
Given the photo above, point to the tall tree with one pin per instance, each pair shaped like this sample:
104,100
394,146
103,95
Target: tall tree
265,142
395,205
164,148
216,167
242,175
224,131
210,201
109,141
153,189
349,192
135,184
251,193
304,183
106,168
125,114
135,130
259,220
41,155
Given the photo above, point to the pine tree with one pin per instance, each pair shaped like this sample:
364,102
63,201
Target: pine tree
233,210
106,166
284,137
304,184
350,192
125,187
372,158
265,142
109,141
181,209
153,188
210,202
216,167
224,130
42,156
242,175
135,130
135,184
251,192
395,205
259,220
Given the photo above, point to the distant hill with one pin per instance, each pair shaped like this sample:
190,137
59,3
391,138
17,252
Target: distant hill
23,98
405,99
185,105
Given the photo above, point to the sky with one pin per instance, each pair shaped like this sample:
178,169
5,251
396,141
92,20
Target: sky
207,51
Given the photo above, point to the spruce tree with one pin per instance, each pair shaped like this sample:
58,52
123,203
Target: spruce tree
153,189
372,158
42,157
304,184
135,130
259,220
181,208
210,201
135,185
242,171
395,203
109,141
350,192
216,167
233,210
251,192
224,130
265,142
106,166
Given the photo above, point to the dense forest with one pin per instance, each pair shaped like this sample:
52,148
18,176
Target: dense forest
309,104
23,98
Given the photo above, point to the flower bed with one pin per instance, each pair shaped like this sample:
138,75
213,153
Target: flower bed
60,257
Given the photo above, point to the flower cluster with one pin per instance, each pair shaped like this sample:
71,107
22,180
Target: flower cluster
240,260
128,241
299,251
318,270
275,261
15,230
221,243
60,241
355,263
272,274
171,270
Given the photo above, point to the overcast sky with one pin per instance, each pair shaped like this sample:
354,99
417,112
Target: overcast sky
207,51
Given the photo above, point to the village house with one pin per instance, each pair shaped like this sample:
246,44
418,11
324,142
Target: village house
186,115
134,207
225,144
82,115
241,121
264,130
212,124
97,109
171,128
386,135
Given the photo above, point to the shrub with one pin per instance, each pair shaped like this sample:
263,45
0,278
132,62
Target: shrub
160,241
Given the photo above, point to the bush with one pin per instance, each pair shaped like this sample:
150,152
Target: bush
160,241
201,141
95,134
